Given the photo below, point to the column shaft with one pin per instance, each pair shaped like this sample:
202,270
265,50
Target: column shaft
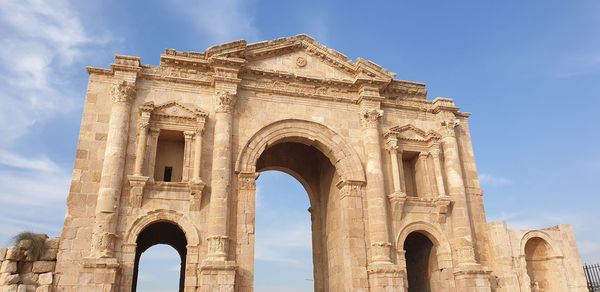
376,198
197,157
460,215
395,170
221,178
439,177
140,149
111,180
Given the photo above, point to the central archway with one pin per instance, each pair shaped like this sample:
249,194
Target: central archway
333,177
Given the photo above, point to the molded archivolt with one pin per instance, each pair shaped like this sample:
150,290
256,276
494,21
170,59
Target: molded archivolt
162,215
332,145
556,252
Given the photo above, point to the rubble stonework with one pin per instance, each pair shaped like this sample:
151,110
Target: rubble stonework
170,154
20,272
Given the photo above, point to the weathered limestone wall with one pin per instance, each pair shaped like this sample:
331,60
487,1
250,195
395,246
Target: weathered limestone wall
509,257
19,272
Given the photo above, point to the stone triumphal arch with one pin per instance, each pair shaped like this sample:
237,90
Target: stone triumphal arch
169,154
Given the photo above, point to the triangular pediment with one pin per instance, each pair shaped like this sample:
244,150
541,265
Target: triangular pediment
302,56
412,133
176,109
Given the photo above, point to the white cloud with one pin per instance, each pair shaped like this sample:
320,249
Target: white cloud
492,180
41,42
220,20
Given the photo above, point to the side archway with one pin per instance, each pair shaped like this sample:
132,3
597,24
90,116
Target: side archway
425,256
160,227
543,261
162,215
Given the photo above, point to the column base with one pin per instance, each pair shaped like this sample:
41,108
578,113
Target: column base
472,278
385,277
217,276
98,274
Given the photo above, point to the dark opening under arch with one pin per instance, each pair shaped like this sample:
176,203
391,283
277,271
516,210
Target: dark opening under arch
421,263
161,233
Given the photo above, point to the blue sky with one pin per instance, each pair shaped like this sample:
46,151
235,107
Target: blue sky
529,71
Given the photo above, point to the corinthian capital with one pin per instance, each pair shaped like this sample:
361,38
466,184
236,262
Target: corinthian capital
225,101
447,127
123,92
370,116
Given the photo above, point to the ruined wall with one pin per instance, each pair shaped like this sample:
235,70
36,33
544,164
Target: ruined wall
20,272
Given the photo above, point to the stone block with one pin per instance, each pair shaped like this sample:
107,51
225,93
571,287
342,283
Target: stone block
29,278
45,279
2,253
43,266
14,254
52,243
11,288
8,267
44,288
49,255
9,279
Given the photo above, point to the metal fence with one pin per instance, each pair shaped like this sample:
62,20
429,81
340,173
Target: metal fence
592,275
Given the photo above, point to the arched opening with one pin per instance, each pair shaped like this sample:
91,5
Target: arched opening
541,268
318,177
161,233
283,247
421,263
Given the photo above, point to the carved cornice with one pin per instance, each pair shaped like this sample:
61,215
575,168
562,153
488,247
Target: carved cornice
123,92
126,63
177,73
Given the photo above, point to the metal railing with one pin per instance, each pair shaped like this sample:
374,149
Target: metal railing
592,275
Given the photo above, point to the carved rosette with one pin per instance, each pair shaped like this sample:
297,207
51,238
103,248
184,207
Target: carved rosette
218,246
123,92
381,251
370,117
247,181
225,101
